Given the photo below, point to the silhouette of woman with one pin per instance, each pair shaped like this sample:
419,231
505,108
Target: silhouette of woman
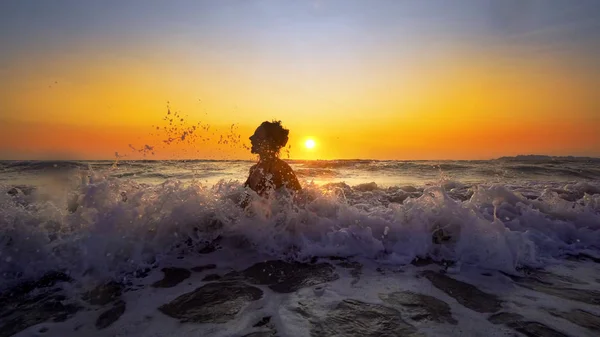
270,172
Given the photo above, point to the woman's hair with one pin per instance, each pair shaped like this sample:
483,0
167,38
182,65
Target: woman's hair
276,134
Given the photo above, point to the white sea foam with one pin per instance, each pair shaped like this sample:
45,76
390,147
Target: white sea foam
120,225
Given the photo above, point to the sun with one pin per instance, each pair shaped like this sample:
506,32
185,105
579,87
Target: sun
310,143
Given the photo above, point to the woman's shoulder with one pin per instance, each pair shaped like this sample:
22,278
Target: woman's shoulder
282,163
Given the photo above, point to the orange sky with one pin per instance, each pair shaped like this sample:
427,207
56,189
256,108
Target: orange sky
433,96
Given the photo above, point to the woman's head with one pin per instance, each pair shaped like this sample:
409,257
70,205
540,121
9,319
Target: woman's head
269,138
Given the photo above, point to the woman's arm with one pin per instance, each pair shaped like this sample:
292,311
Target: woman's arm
290,179
245,199
248,181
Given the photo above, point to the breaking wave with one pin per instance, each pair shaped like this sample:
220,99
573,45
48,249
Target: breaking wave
104,226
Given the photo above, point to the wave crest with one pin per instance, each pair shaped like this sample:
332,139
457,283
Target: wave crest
105,227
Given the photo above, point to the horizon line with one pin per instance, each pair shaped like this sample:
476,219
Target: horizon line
297,159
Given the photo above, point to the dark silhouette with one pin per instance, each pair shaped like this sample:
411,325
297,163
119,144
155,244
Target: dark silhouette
270,172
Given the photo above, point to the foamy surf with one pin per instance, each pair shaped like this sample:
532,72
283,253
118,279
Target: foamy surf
366,249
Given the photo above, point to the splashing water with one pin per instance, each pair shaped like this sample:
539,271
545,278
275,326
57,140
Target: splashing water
107,223
175,128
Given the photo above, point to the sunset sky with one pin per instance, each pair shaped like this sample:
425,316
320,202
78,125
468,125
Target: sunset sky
379,79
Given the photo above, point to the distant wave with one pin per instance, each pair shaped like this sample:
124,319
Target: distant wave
560,171
332,163
545,158
316,172
377,165
42,165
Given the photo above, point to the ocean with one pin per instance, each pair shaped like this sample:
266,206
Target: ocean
501,247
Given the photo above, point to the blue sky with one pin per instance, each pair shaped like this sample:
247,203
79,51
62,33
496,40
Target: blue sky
543,25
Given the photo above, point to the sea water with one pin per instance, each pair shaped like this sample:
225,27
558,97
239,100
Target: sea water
101,221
